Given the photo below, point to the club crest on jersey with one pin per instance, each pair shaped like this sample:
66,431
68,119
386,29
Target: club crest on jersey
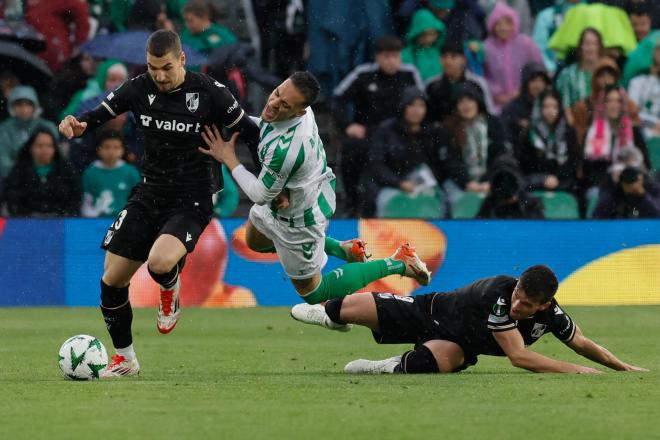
192,101
538,330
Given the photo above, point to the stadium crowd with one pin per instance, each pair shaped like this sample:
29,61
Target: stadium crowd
438,108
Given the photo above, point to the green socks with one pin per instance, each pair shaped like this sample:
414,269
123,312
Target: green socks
333,248
352,277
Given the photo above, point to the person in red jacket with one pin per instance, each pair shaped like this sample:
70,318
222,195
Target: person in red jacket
53,19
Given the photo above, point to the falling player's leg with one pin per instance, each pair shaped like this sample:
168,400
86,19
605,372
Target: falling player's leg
166,259
352,277
117,313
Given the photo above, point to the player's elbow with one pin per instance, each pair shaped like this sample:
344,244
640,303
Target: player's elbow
520,360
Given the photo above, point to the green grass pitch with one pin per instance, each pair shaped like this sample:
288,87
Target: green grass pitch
257,374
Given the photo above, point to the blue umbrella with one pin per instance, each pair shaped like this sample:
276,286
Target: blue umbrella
130,47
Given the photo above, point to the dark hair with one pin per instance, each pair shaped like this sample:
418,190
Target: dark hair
539,283
200,8
307,85
388,43
452,47
639,9
586,31
25,154
104,135
162,42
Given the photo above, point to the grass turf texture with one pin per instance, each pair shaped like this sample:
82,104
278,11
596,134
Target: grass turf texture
256,373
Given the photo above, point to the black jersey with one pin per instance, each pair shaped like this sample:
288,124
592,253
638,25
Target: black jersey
472,313
172,123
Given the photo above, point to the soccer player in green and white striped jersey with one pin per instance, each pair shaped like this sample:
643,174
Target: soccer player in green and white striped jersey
294,196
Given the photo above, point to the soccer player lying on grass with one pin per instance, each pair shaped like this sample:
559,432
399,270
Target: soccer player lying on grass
293,163
498,316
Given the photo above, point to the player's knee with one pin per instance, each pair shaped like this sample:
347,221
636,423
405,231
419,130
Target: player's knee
418,361
160,263
115,278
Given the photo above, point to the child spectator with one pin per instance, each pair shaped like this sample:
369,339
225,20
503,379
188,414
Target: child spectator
201,33
507,51
42,183
424,38
108,182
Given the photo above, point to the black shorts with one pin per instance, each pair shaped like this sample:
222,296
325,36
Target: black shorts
146,216
415,320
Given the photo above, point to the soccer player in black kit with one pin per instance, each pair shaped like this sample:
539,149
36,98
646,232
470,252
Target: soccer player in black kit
497,316
168,211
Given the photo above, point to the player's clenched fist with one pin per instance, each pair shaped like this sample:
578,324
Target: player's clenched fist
70,127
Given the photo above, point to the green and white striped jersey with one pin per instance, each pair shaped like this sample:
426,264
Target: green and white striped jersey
293,160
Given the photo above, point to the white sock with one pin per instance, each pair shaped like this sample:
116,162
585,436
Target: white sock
127,352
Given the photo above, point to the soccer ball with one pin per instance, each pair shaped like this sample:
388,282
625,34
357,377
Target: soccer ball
82,357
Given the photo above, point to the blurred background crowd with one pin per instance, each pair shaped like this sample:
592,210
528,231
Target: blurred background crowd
431,108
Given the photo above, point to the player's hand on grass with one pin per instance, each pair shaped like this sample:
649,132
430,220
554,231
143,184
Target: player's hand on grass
588,370
628,367
219,149
70,127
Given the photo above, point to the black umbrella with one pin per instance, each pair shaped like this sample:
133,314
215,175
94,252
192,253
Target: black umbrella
29,68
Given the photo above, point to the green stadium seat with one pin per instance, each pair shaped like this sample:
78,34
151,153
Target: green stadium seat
591,206
426,204
468,205
653,146
558,204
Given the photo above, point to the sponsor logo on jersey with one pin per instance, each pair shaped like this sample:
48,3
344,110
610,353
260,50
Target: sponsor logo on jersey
152,98
192,101
233,107
174,125
538,330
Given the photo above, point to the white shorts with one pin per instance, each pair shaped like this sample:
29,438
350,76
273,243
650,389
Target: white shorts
301,251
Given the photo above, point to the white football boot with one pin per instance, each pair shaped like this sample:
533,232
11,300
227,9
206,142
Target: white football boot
315,314
169,310
119,366
364,366
415,267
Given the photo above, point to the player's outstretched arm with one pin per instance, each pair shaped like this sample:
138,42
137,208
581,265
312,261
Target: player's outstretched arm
589,349
513,346
70,127
255,188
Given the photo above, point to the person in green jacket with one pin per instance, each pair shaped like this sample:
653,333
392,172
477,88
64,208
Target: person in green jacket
201,33
16,130
424,39
108,182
